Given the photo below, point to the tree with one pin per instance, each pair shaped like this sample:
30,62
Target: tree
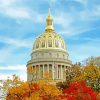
79,91
73,72
33,91
92,77
95,61
9,83
91,74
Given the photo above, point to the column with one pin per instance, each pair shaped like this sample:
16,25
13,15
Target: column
39,72
43,71
35,73
53,71
64,72
57,72
61,72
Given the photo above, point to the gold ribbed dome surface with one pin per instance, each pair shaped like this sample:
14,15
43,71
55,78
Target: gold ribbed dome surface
49,39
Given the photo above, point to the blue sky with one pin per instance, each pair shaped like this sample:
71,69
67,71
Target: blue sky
21,21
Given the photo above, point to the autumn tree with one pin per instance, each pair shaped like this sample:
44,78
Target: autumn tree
95,61
73,72
33,91
7,84
79,91
91,74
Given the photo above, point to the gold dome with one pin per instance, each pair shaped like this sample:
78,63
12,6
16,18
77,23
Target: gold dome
49,39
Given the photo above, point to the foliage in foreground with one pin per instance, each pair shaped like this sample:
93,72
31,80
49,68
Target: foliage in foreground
34,91
46,91
6,84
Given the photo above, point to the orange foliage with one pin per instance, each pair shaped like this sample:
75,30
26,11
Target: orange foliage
47,91
33,91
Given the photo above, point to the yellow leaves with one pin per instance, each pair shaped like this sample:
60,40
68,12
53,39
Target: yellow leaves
36,96
47,75
91,72
38,91
51,90
9,83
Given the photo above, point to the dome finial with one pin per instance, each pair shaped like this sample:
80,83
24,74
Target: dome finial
49,22
49,12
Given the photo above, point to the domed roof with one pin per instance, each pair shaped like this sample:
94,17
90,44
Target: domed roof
49,39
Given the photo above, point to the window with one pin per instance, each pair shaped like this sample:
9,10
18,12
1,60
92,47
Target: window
50,43
43,43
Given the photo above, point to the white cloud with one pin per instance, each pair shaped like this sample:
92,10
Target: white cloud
96,11
77,22
77,31
16,42
9,8
20,71
16,67
18,13
12,10
13,45
50,2
22,76
83,2
65,20
6,2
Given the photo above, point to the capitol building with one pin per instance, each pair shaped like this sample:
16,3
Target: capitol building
49,55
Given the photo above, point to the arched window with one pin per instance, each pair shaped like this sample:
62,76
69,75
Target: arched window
43,44
50,43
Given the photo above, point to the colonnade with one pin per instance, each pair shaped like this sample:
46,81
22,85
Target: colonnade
54,71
